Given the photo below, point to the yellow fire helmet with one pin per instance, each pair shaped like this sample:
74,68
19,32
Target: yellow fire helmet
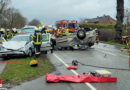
33,63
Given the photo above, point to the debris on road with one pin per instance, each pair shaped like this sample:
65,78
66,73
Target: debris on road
101,73
72,67
78,78
75,63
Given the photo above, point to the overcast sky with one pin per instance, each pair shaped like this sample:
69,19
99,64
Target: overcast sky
49,11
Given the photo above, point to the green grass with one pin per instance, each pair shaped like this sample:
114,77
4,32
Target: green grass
17,73
113,43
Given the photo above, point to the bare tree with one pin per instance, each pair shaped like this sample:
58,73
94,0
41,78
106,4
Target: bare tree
119,17
19,21
10,17
34,22
3,7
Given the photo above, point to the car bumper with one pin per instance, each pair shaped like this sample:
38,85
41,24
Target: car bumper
11,53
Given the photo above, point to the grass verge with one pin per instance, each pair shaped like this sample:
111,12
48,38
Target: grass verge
113,43
14,74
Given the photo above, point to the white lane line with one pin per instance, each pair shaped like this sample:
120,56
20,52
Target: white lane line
106,52
88,84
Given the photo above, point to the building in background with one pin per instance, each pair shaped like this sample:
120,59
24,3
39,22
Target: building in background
106,19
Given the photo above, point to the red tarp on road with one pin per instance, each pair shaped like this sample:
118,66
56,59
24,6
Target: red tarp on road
78,78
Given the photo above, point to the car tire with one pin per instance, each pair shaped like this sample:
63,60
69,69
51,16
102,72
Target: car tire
81,34
30,53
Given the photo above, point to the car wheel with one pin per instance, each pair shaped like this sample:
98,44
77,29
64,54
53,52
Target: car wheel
81,34
30,53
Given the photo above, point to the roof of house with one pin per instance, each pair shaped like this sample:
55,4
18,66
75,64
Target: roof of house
98,19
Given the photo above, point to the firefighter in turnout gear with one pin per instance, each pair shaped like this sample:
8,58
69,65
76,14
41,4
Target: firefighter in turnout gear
37,41
8,34
2,32
14,31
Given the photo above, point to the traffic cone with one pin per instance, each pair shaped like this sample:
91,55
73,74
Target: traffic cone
129,61
0,83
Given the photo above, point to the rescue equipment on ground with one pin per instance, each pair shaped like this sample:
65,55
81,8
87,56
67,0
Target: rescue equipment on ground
75,62
33,63
78,78
101,73
16,62
72,67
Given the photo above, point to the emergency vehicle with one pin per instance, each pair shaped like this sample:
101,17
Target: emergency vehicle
76,39
71,25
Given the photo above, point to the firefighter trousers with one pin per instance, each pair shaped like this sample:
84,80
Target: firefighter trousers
37,50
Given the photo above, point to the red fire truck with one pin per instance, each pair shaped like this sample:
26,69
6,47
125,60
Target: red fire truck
71,25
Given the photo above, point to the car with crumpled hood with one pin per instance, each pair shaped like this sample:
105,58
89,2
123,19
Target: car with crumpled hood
18,45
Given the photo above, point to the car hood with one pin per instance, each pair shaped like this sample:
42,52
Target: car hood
14,45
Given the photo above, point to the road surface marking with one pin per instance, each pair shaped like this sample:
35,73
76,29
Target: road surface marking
88,84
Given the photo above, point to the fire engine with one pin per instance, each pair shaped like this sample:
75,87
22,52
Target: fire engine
71,25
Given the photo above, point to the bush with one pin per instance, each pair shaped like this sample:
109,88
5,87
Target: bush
98,26
107,35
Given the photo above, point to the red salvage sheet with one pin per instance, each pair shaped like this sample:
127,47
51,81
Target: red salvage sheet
78,78
72,67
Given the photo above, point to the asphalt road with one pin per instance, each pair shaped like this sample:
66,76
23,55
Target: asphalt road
99,55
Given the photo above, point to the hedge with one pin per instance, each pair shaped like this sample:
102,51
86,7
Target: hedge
98,26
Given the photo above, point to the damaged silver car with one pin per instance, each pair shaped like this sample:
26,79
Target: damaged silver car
18,45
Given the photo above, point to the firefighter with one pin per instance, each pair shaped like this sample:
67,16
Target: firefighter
46,30
8,35
14,31
67,32
97,36
37,41
59,33
63,32
2,32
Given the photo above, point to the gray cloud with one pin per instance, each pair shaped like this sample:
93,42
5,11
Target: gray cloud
48,11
